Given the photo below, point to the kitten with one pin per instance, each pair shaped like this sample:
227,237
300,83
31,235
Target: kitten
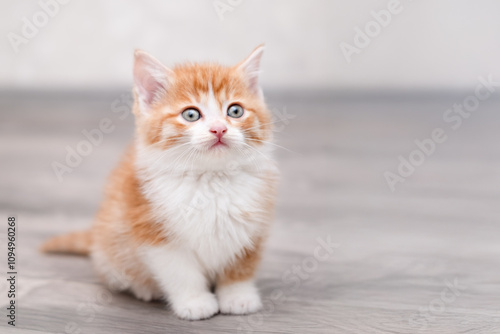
190,204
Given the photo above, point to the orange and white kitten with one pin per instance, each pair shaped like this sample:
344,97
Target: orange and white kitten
190,204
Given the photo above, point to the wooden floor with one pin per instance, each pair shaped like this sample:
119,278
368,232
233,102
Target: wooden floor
424,258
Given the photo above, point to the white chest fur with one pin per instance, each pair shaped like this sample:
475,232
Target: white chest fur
208,212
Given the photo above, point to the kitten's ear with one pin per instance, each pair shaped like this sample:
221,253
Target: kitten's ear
151,80
251,69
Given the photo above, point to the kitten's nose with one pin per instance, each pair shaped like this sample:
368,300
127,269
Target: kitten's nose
218,130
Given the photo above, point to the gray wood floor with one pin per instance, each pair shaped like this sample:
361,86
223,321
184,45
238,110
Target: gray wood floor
424,258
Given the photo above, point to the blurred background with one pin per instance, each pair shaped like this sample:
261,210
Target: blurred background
355,88
426,45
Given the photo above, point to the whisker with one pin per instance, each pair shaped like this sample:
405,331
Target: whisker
253,148
251,158
188,160
271,143
259,125
169,151
178,160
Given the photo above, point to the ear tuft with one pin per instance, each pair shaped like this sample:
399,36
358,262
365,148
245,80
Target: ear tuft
151,79
251,68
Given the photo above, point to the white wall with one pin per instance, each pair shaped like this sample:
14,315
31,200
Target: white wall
430,44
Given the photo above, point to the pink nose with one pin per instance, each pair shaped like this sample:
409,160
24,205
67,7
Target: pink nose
218,130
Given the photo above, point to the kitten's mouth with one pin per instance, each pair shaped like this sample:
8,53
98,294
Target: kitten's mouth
218,143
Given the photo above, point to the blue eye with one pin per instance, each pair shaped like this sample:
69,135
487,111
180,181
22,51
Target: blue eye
235,111
191,115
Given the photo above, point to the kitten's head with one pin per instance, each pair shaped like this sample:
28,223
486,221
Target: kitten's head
209,113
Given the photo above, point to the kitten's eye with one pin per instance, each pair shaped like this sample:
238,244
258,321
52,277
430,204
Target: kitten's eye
235,111
191,115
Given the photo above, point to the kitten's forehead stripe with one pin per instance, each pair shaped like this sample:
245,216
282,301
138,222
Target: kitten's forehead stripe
210,90
213,105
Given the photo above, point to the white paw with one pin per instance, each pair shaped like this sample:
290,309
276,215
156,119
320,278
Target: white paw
239,298
196,308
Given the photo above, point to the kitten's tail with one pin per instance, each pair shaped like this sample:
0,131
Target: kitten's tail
73,243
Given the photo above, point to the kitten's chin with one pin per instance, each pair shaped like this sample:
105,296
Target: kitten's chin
219,151
218,146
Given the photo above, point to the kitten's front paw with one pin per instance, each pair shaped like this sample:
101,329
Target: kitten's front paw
240,298
196,308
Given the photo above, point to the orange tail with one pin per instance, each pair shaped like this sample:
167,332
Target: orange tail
73,243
